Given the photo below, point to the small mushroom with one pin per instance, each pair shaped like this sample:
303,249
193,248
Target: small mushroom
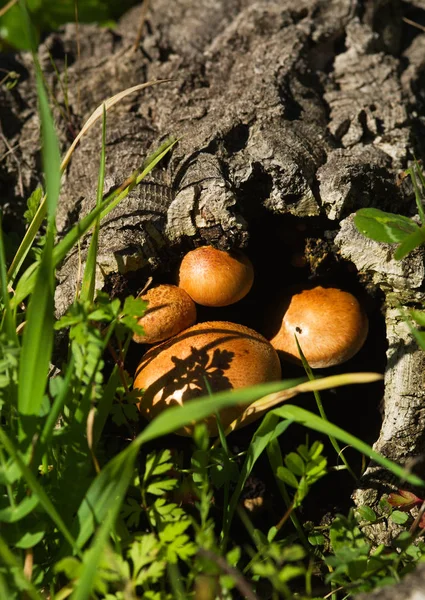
212,356
329,323
213,277
170,310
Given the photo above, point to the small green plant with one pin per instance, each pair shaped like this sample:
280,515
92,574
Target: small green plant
407,233
391,228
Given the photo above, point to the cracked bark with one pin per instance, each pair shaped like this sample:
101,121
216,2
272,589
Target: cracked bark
308,109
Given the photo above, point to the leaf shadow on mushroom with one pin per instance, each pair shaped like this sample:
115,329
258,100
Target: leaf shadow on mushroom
197,374
190,378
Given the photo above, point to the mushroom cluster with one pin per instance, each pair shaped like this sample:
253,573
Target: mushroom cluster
190,361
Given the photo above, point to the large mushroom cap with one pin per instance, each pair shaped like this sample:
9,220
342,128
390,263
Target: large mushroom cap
216,355
215,278
329,323
170,310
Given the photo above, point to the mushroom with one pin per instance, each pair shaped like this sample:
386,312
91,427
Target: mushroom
170,310
329,323
213,277
212,356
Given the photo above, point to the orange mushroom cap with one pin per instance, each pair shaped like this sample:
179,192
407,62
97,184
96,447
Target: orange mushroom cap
170,310
225,355
329,323
213,277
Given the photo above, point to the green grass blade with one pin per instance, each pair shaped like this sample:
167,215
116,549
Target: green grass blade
27,242
8,319
36,488
58,405
5,592
50,148
89,277
38,334
175,579
269,430
88,574
176,417
106,492
38,337
107,400
312,421
321,410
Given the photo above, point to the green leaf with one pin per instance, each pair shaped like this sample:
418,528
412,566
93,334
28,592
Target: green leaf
155,572
366,513
399,517
69,565
357,567
403,540
292,553
315,469
173,530
30,538
157,463
418,316
290,572
411,242
131,512
295,463
134,307
143,551
33,203
11,514
287,477
16,571
158,488
384,227
233,556
316,539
